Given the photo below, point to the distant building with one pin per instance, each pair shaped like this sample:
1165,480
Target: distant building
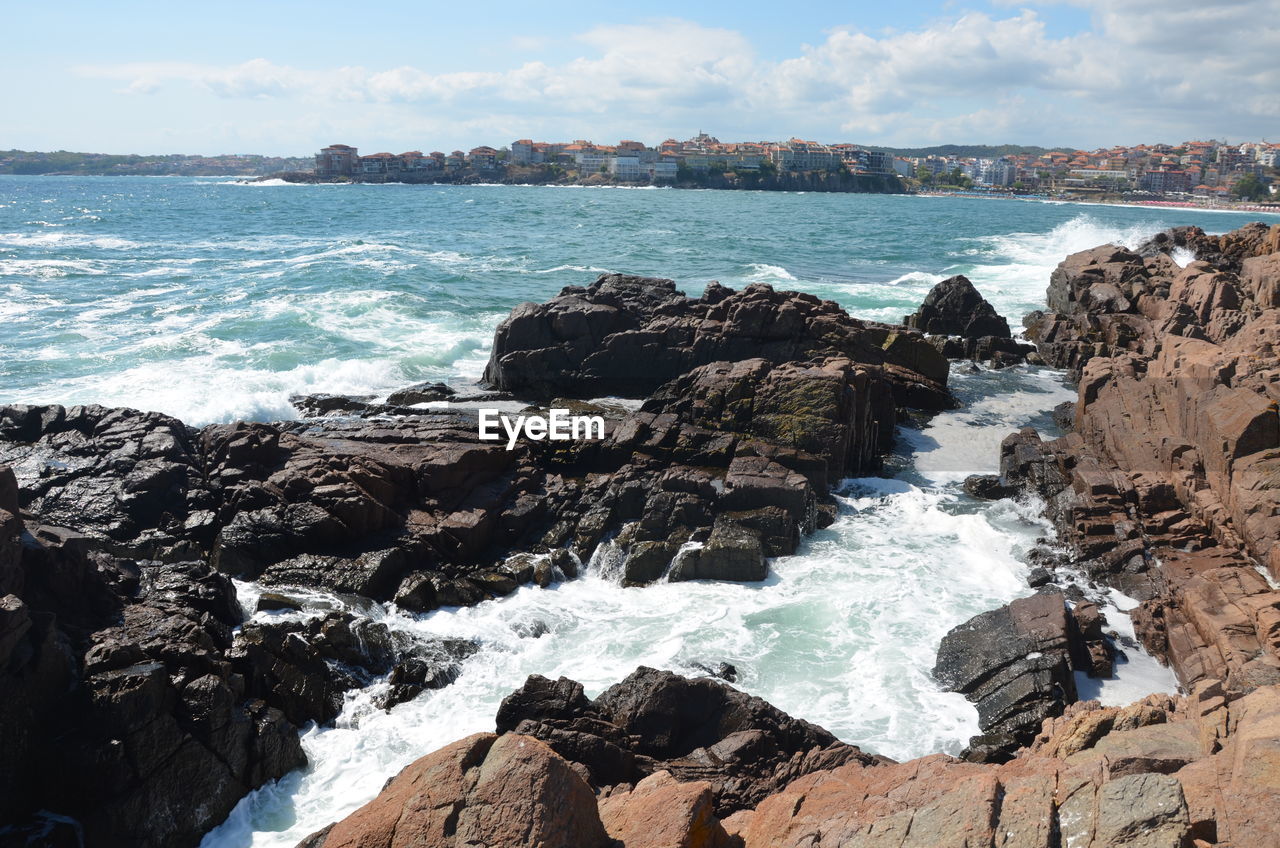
800,155
522,151
377,163
337,160
662,171
590,160
483,158
626,168
1001,172
1165,181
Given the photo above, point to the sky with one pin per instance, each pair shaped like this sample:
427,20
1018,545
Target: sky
286,78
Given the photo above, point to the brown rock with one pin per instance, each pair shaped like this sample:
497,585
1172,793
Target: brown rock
663,813
483,790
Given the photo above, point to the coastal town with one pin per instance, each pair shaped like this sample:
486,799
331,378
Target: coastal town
1204,170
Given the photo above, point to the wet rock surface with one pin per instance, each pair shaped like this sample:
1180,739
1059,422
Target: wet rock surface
120,705
1162,489
698,729
121,530
961,324
1166,771
627,336
1015,664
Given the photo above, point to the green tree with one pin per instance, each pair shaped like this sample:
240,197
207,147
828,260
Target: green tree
924,175
1250,187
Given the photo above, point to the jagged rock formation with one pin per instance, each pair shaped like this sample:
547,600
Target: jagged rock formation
627,336
961,324
1165,773
694,729
121,530
1109,301
1016,664
119,705
1164,489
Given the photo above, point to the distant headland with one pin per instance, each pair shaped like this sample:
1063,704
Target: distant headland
1202,173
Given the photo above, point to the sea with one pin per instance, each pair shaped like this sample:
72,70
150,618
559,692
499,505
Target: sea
217,299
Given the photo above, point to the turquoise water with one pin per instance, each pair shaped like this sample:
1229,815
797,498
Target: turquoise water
213,300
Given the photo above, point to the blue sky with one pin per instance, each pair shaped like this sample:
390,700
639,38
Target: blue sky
286,78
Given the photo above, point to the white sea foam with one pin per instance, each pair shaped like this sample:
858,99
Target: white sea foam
958,443
67,240
1015,278
764,273
917,279
581,269
842,634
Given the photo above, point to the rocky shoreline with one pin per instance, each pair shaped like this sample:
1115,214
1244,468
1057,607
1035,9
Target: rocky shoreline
808,181
136,686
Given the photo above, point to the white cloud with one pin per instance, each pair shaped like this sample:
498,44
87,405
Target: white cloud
1145,70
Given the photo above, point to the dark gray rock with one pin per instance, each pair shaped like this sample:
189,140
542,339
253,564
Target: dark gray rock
1014,663
954,307
696,728
420,393
988,487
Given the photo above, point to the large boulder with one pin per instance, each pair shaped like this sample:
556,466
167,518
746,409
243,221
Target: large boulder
1015,664
483,790
954,307
694,728
626,335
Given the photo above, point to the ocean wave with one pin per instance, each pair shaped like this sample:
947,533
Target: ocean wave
44,269
764,273
917,278
62,239
579,269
